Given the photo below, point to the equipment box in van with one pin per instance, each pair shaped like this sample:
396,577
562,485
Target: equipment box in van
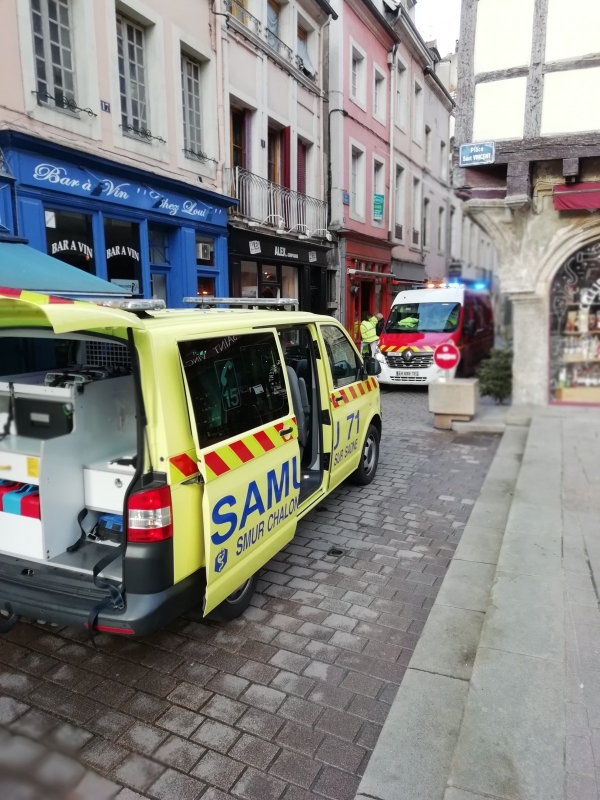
152,460
422,319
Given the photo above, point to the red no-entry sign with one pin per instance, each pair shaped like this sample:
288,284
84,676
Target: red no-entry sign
446,356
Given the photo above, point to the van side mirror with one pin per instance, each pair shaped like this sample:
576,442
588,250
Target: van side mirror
470,327
371,365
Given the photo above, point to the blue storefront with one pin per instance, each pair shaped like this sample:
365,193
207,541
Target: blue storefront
153,236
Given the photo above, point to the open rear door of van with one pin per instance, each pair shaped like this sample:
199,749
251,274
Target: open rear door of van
246,439
21,309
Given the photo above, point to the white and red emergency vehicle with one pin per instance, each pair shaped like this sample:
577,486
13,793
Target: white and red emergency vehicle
422,319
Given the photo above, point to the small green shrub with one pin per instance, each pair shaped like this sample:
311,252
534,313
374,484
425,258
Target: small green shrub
495,375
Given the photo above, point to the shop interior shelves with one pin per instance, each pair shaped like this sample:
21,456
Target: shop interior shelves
578,394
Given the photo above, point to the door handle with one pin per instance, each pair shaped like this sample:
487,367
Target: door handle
286,432
339,398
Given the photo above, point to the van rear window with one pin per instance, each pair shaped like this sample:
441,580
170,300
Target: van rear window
423,318
236,383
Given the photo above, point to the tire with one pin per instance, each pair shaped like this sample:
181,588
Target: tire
236,603
364,474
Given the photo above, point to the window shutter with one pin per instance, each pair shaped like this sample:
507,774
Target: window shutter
301,167
286,156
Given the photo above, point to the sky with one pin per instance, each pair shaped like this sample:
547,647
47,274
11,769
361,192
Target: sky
439,19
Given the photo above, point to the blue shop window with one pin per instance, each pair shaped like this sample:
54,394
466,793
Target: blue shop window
159,285
69,238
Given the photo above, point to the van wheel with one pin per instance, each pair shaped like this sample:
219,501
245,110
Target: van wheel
364,474
236,603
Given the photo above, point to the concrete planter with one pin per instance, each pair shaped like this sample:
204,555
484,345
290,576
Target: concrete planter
452,400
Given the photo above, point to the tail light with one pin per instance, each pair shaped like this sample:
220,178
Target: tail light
150,515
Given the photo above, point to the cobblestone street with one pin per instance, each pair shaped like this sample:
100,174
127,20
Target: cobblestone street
284,703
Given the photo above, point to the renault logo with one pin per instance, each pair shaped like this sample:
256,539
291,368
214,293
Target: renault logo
407,355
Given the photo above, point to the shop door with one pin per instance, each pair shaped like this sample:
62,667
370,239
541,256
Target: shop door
247,448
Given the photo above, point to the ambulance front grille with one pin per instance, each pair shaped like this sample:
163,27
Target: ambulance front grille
106,354
418,361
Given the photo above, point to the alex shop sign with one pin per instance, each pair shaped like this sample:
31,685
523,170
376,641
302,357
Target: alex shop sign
61,177
266,249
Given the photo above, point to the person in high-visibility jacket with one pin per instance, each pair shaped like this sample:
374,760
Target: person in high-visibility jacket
368,334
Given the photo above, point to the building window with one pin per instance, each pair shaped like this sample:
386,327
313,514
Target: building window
417,212
401,95
357,182
357,78
443,161
442,229
379,96
69,238
205,251
426,224
52,52
378,191
427,144
190,103
238,138
274,155
122,240
400,199
273,12
158,244
132,76
418,113
305,63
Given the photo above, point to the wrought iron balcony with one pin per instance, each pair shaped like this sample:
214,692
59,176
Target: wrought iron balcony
239,12
269,203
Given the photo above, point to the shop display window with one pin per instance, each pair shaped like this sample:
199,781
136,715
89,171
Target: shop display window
575,329
69,238
122,240
289,282
249,279
206,286
158,286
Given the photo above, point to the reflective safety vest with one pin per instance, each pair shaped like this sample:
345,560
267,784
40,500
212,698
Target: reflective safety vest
368,330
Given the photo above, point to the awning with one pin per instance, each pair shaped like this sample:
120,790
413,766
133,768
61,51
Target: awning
577,196
23,267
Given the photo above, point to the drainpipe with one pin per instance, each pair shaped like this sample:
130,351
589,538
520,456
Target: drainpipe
220,93
393,70
321,106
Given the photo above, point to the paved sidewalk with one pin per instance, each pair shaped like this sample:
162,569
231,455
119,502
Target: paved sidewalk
501,698
286,702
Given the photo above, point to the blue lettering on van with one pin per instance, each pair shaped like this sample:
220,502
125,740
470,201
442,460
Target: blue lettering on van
221,560
278,487
223,519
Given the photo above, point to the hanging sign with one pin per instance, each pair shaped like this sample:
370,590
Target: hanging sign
378,203
63,177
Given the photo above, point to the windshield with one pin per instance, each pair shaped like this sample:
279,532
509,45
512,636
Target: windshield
423,318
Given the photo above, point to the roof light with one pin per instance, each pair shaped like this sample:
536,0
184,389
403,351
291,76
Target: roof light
431,285
134,305
480,286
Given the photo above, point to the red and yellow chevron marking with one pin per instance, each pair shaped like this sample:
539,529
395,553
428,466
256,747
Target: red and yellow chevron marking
392,348
183,466
37,298
224,459
350,393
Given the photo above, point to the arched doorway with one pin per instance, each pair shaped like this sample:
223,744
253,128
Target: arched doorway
575,329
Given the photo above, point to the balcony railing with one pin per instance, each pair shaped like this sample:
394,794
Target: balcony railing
239,12
269,203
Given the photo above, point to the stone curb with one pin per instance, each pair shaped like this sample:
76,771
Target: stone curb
414,754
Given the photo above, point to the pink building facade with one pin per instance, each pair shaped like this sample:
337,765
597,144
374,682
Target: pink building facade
389,147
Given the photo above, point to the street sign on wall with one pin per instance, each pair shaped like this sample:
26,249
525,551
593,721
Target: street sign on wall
477,154
378,201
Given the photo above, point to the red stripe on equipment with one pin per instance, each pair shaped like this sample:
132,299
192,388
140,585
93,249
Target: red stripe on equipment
241,451
361,388
264,441
215,463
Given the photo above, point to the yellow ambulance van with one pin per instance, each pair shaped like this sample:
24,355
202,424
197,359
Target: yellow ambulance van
154,459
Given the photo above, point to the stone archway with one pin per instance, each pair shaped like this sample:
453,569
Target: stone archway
574,328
